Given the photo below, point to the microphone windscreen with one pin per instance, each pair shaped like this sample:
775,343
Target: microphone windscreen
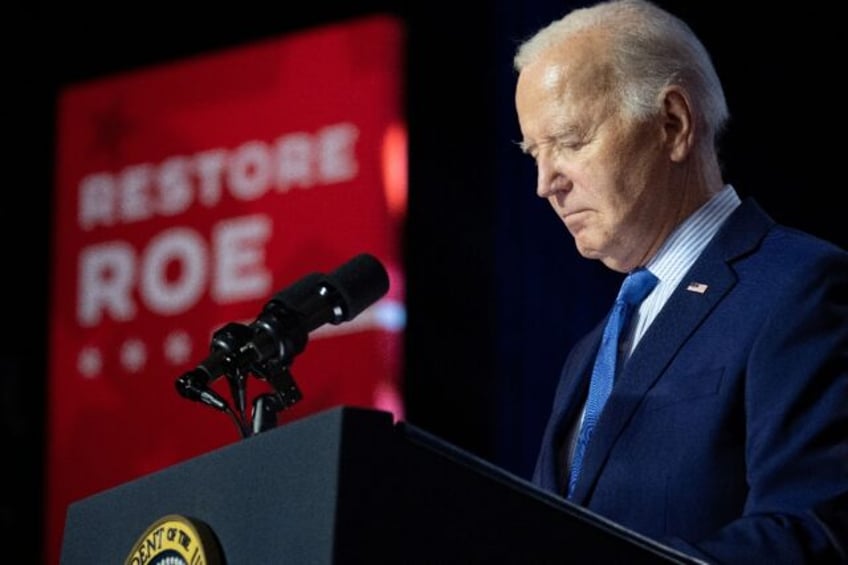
360,282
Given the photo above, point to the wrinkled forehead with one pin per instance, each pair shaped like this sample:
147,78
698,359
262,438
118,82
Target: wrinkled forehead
580,65
576,72
553,77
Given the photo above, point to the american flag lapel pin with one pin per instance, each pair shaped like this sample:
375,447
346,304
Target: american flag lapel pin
698,287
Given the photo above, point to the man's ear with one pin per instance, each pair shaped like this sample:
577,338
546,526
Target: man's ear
678,123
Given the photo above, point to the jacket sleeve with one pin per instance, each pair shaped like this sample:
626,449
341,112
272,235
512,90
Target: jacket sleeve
796,417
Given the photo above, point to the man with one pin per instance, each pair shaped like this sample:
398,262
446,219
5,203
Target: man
725,434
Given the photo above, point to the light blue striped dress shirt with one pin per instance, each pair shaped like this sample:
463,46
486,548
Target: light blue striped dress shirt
676,257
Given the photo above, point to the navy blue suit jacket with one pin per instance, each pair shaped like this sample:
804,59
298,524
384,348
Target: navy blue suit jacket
726,434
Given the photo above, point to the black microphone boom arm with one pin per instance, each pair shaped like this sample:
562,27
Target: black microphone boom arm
270,343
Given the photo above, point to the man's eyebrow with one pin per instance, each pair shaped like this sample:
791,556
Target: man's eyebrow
567,131
524,146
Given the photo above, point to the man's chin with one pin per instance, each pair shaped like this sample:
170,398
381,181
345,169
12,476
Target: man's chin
587,251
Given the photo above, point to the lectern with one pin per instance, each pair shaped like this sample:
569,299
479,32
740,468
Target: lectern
347,485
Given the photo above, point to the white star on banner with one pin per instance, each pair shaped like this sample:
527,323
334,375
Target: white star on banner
133,355
177,347
89,362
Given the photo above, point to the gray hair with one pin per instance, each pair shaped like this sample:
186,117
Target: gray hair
650,49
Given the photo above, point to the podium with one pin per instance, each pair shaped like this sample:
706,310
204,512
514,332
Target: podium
349,485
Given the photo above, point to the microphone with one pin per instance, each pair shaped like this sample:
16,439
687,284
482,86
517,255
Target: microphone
281,330
188,388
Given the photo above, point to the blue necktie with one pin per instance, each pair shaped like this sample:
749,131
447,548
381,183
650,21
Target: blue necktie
634,289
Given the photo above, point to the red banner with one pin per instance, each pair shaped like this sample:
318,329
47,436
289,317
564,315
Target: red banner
187,195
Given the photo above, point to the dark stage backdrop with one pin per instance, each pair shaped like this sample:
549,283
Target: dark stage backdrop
496,293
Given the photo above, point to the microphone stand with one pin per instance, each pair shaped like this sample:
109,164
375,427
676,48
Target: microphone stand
265,407
280,332
189,387
286,394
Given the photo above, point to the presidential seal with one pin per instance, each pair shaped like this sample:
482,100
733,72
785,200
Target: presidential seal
176,540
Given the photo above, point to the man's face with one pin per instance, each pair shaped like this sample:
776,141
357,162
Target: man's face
601,173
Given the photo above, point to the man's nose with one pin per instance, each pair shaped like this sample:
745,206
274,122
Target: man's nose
547,176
